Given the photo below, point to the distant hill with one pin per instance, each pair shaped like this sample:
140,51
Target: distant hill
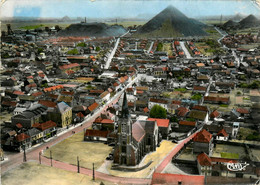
92,30
230,24
249,21
171,23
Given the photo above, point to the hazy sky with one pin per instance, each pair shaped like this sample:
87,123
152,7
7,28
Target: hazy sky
123,8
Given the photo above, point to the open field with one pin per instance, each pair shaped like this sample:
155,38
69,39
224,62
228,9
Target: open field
187,154
156,157
88,152
167,48
235,150
229,155
31,173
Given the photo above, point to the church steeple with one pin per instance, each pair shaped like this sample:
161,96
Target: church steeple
125,111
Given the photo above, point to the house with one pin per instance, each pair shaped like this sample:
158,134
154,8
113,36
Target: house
216,100
163,125
35,135
182,111
222,135
69,67
92,107
214,114
29,117
199,89
199,115
221,167
104,124
61,115
21,141
186,126
204,164
105,96
162,103
202,142
48,129
91,135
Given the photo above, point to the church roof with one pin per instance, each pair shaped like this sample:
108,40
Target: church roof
138,131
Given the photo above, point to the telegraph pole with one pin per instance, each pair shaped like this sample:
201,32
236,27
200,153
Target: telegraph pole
51,157
24,154
78,163
93,172
40,161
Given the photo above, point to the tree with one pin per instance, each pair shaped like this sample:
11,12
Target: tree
97,48
158,112
82,44
73,52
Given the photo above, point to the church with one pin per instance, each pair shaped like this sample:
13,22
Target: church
134,140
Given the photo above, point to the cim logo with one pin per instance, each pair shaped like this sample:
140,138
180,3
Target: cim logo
236,166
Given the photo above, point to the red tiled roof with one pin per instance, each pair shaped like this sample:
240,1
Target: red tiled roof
9,103
146,110
45,125
18,93
97,91
115,84
129,90
199,88
19,125
130,104
67,93
69,66
96,133
79,114
188,123
182,111
158,101
203,137
47,103
32,85
121,79
37,94
176,102
21,137
29,77
242,111
222,132
48,89
93,106
174,179
199,107
98,120
160,122
204,160
107,121
215,99
139,92
214,114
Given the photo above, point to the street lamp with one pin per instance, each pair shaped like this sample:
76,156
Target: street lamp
78,164
24,153
51,157
93,172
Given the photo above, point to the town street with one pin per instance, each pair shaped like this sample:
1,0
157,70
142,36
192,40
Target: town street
187,53
110,57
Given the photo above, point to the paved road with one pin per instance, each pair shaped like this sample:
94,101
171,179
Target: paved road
150,48
109,59
187,53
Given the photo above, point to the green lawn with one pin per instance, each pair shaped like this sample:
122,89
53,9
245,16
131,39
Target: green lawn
229,155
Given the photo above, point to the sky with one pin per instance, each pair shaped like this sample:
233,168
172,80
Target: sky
123,8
